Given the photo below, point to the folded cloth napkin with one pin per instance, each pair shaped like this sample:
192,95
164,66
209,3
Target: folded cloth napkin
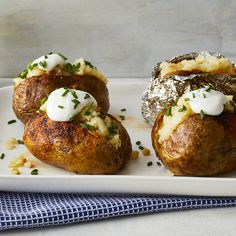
27,210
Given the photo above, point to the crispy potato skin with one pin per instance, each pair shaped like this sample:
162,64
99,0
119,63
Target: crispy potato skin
199,147
71,147
29,93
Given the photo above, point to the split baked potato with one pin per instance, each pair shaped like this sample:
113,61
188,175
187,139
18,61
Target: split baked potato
78,146
38,81
192,145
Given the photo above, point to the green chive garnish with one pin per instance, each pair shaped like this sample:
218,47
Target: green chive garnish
74,94
138,142
204,95
34,172
62,56
208,89
20,141
87,63
69,68
2,156
202,114
123,109
183,108
45,56
122,117
43,101
66,91
141,147
23,74
76,102
86,96
50,53
193,95
11,122
186,99
168,111
43,64
149,163
60,106
87,126
158,163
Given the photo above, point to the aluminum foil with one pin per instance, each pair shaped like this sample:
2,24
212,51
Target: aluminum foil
162,92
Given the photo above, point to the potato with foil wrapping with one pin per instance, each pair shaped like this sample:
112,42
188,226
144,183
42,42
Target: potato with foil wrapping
191,144
92,142
51,72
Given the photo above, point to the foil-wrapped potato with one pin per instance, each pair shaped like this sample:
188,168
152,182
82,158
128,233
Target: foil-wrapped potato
51,72
171,79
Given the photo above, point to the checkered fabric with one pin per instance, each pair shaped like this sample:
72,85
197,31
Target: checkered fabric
26,210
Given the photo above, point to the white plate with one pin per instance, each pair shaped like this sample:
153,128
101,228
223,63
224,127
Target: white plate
137,177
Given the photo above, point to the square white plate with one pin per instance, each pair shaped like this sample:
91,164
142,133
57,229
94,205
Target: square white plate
137,177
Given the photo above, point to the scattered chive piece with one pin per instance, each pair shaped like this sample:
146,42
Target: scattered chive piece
168,111
204,95
23,74
86,96
66,91
194,87
60,106
183,108
87,63
74,116
20,141
74,94
62,56
202,114
87,113
113,128
78,66
43,64
87,126
141,147
34,172
43,101
123,109
208,89
149,163
158,163
50,53
45,56
69,68
2,156
31,66
11,122
122,117
76,102
186,99
138,143
40,111
194,95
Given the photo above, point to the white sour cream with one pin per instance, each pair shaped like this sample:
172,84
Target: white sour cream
210,102
51,61
64,108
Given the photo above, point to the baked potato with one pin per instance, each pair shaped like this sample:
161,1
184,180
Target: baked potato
171,79
82,145
35,84
189,144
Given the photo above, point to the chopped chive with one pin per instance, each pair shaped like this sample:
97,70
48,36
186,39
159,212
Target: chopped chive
204,95
158,163
78,66
11,122
74,116
62,56
74,94
86,96
40,111
149,163
43,101
50,53
69,68
168,111
76,102
186,99
113,128
138,143
194,87
2,156
141,147
183,108
31,66
45,56
202,114
60,106
208,89
66,91
43,64
122,117
23,74
34,172
87,113
20,141
193,95
87,126
123,109
87,63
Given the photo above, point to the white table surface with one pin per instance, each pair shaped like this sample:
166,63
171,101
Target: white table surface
220,221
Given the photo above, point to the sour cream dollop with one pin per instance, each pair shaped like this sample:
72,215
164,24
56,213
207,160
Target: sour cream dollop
49,62
210,101
63,104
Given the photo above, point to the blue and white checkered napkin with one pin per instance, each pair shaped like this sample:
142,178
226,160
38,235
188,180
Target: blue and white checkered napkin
26,210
